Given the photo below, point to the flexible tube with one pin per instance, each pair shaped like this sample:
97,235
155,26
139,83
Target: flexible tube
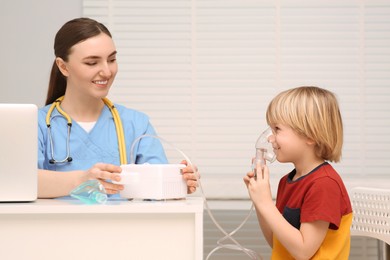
117,122
119,130
228,236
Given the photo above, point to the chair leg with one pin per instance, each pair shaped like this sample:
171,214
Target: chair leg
379,249
383,250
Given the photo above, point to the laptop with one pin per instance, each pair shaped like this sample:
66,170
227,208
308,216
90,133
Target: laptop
18,152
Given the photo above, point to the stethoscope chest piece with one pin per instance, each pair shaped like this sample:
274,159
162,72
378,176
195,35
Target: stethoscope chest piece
67,157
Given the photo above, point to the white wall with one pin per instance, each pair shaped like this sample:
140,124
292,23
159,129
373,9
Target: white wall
27,30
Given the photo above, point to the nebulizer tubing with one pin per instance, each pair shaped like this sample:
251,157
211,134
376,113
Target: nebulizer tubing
262,155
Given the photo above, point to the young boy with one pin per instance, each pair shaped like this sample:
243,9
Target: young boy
313,213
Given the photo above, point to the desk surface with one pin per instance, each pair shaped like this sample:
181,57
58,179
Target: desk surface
61,206
68,229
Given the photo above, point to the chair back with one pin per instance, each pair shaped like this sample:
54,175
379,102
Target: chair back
371,213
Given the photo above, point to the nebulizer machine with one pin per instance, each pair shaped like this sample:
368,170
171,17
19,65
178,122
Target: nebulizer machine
139,178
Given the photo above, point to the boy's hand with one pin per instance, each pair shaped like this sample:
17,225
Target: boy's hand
259,188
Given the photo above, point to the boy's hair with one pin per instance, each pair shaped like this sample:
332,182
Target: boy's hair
314,113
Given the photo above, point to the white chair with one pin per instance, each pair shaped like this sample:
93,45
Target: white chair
371,215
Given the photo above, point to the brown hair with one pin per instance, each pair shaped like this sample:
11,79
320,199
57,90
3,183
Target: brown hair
314,113
71,33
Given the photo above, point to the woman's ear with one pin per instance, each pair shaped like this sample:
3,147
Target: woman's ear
61,64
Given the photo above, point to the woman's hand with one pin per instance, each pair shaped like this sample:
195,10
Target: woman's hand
190,177
104,173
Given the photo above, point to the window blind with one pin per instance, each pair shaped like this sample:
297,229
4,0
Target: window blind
205,71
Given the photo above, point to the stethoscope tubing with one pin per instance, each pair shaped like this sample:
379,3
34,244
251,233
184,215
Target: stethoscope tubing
68,158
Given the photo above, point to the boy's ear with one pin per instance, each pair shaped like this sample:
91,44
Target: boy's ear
310,141
61,64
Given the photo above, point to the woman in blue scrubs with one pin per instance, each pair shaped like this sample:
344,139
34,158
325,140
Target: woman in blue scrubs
83,72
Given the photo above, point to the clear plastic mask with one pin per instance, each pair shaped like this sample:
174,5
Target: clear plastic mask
264,149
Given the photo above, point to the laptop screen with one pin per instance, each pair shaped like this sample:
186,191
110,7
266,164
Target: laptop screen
18,152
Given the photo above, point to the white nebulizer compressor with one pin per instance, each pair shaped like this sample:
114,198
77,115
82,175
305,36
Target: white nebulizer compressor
153,181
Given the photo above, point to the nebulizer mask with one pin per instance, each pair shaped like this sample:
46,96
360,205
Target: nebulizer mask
264,149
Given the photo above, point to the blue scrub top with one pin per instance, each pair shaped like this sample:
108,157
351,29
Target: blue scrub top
100,144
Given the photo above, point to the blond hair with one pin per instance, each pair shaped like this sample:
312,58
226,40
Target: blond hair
314,113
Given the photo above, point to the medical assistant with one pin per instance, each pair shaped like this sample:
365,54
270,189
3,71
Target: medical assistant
100,144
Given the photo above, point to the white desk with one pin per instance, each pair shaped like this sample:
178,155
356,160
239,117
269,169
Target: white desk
67,229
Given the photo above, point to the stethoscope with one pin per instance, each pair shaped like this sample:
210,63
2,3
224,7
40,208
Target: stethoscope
68,158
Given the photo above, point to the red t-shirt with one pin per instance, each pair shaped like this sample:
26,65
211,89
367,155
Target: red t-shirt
319,195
